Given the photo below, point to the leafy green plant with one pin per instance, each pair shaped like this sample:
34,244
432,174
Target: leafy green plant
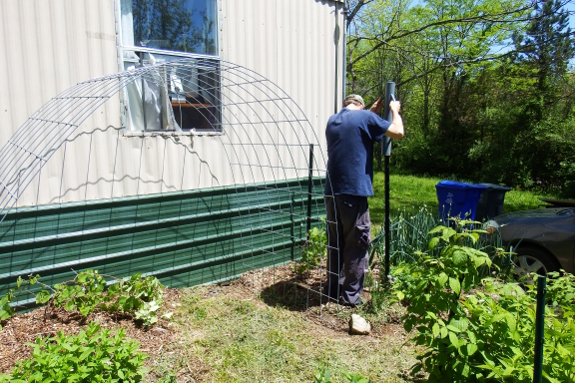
476,328
561,292
87,293
324,376
6,311
411,231
142,296
94,355
356,378
314,249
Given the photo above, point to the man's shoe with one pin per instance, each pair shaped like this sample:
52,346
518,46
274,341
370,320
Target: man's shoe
358,303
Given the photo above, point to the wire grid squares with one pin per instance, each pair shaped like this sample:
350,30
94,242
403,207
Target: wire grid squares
252,138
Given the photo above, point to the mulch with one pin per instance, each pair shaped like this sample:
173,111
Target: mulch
25,328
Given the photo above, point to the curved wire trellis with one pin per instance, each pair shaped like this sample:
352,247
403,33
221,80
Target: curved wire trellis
263,134
250,115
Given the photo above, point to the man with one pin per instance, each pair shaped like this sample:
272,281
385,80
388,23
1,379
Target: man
350,136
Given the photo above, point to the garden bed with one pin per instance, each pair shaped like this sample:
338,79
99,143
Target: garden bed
311,334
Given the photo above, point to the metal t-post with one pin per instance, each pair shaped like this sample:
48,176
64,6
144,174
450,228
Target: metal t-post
386,152
309,189
539,329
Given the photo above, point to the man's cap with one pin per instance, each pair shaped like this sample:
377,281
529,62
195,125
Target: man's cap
356,98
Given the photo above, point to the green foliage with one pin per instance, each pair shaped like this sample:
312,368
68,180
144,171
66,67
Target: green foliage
476,328
324,376
86,293
83,294
561,293
314,249
355,378
6,311
488,98
94,355
409,232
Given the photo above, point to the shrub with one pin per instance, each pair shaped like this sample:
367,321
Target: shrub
476,328
93,355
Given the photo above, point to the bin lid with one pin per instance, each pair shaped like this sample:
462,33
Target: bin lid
459,185
496,187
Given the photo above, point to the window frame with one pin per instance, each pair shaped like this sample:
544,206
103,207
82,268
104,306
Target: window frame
122,61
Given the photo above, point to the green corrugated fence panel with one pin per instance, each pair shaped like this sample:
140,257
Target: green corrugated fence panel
185,238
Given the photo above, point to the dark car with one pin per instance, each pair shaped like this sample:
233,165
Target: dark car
544,239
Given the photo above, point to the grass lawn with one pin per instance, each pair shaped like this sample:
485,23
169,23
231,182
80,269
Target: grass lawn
248,332
412,192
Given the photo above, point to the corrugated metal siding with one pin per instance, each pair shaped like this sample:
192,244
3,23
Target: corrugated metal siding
184,238
292,43
48,46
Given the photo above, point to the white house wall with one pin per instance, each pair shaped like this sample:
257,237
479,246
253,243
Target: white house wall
291,43
47,46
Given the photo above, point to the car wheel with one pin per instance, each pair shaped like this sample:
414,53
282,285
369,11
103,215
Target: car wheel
532,260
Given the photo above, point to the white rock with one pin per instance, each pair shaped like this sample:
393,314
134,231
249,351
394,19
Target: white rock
358,325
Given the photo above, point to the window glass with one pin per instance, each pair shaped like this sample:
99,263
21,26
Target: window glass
187,100
176,25
180,97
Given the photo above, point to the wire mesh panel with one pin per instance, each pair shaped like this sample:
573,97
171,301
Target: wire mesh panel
214,171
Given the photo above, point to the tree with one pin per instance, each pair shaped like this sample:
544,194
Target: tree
546,48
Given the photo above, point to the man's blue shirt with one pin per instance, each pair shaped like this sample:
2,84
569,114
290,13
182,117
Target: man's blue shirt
350,135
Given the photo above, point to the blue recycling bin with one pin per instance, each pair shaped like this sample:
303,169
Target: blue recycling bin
458,199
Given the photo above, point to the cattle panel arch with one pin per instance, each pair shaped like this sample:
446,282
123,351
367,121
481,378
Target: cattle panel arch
189,205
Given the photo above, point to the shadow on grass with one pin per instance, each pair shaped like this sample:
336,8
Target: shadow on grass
299,293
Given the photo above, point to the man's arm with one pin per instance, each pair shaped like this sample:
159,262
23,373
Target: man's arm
395,130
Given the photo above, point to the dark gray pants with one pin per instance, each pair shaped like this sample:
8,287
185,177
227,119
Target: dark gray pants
349,236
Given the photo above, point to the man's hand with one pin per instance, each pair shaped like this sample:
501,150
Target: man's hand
377,106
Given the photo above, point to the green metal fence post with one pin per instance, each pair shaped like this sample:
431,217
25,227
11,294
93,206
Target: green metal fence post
539,329
309,188
386,151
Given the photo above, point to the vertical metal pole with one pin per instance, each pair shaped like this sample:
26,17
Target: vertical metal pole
539,328
386,224
386,151
292,225
309,188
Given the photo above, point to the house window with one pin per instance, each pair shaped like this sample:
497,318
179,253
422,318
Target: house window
185,95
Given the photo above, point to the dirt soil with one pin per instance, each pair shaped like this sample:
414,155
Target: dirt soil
25,328
273,286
